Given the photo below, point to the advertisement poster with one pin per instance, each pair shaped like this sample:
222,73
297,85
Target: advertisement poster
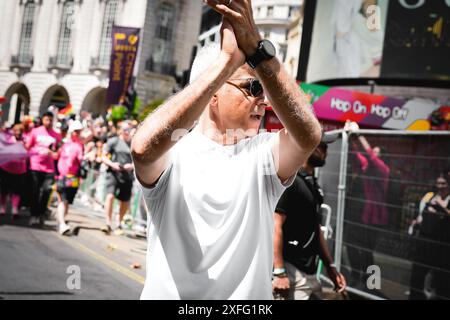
375,111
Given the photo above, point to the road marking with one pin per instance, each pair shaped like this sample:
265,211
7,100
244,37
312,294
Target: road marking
113,265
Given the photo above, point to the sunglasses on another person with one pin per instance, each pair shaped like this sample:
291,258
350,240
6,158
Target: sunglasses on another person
253,87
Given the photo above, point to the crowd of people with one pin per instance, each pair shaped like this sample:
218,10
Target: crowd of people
52,154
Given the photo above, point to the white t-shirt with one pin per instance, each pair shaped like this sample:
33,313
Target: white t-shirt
211,221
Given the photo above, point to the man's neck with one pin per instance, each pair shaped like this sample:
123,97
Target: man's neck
308,169
211,130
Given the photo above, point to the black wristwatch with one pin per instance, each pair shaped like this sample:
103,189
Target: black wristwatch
265,51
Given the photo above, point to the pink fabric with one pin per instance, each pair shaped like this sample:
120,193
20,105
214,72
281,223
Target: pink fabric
71,155
13,154
41,140
375,181
15,201
26,137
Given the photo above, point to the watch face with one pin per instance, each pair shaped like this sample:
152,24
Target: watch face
269,48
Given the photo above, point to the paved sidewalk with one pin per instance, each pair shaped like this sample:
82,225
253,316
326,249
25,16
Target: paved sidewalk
86,227
37,262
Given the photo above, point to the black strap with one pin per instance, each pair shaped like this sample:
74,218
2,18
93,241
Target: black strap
313,186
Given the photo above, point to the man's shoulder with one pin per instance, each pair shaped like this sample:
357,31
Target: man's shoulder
79,146
112,140
36,131
55,135
263,137
259,140
187,141
298,190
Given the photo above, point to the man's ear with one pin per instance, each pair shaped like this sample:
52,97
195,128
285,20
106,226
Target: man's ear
214,103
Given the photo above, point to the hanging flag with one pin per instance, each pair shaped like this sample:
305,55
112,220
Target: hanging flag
68,110
124,52
2,100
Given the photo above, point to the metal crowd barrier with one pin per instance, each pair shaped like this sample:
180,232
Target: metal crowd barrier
412,266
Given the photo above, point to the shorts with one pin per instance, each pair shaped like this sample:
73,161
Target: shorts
120,190
11,183
67,194
303,286
67,188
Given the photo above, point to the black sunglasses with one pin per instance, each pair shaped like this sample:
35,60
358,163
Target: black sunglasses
252,86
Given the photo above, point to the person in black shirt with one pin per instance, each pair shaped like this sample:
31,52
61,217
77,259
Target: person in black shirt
298,238
430,276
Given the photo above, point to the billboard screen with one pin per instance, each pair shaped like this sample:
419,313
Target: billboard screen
417,40
389,39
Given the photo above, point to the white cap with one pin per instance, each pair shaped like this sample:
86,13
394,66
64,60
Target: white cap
75,125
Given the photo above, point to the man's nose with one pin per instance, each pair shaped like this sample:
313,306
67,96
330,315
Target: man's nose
262,100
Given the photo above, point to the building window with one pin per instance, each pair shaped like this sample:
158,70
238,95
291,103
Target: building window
25,55
266,34
106,41
292,11
164,28
270,11
63,57
161,59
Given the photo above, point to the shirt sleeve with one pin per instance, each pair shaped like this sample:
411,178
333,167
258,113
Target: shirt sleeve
159,188
285,201
363,162
31,140
378,163
274,186
58,139
109,145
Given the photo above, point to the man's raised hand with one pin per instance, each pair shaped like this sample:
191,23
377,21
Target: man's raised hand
240,15
229,47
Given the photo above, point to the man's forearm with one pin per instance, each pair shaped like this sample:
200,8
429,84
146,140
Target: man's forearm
290,104
278,261
154,137
324,254
365,144
107,161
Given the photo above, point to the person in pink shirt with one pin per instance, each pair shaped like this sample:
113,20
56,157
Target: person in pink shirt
68,181
42,146
26,196
28,126
369,225
12,175
375,181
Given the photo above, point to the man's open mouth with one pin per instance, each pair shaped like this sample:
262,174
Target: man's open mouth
256,117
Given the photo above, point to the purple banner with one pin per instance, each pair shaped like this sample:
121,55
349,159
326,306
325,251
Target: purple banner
11,150
125,43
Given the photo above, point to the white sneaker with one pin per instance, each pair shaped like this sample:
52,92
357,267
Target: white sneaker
64,229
